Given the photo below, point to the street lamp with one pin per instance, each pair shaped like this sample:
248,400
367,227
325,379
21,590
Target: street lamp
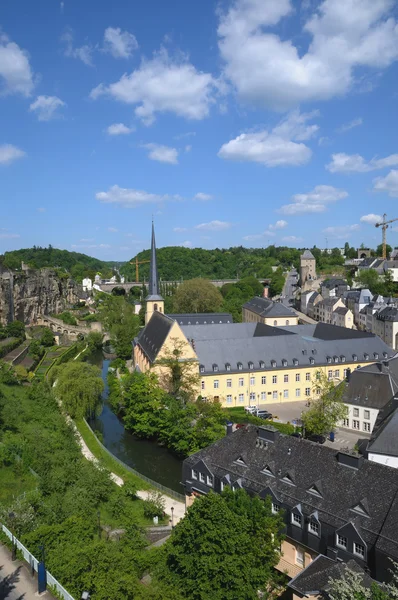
172,517
11,516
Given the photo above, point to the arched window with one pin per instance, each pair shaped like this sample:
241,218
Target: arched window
287,322
275,323
155,307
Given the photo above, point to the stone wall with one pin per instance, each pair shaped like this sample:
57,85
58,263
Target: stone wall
26,294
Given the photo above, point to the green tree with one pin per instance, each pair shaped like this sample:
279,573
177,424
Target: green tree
232,538
277,282
94,341
118,317
379,250
47,338
350,586
197,296
179,376
143,400
327,409
79,387
16,329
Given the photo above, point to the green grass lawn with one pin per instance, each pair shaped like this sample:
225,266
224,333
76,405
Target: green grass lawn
109,463
13,485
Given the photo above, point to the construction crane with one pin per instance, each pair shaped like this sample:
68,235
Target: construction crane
137,262
384,225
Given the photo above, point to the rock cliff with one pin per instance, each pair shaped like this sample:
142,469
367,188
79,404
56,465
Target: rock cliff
28,293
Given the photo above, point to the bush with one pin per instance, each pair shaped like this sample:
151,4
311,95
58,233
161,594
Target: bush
47,338
154,506
67,318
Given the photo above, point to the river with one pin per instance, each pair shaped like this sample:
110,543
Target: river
147,457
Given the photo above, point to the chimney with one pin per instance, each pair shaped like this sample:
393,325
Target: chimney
353,461
265,291
348,375
229,427
267,434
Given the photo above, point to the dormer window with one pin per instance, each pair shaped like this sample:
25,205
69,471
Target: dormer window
342,358
240,461
284,362
215,368
366,356
297,519
354,357
314,527
240,366
228,367
329,359
376,355
336,359
202,369
312,361
385,355
304,352
262,364
273,363
295,362
267,470
251,365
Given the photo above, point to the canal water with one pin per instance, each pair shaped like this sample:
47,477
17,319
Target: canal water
147,457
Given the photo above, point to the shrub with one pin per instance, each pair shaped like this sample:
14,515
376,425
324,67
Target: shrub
154,505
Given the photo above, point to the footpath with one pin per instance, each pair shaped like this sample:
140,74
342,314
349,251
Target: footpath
170,503
16,582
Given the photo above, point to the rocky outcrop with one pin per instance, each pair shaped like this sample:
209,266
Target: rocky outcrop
26,294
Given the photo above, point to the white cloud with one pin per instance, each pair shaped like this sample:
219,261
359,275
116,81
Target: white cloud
91,246
84,53
46,107
41,209
163,85
278,225
388,184
292,239
188,148
86,240
187,244
341,232
214,226
164,154
324,141
121,44
119,129
180,229
113,229
130,198
345,36
372,219
203,197
313,202
16,76
279,147
355,163
9,153
8,236
253,238
347,126
188,134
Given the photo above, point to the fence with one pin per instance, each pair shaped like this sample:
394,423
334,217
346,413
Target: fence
167,491
33,563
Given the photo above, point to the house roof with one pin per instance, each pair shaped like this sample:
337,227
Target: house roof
264,468
313,297
329,301
367,262
307,254
154,334
373,386
342,310
267,308
385,434
307,344
333,282
201,318
389,313
315,578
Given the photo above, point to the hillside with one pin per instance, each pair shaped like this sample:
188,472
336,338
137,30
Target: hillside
77,264
176,262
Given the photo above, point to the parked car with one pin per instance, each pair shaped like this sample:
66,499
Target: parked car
319,439
251,409
263,414
296,434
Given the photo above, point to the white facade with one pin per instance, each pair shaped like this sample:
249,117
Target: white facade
87,284
384,459
360,419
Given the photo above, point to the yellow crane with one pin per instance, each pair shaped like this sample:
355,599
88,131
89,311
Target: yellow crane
137,262
384,226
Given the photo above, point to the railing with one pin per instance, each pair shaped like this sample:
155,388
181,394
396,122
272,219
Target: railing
167,491
33,563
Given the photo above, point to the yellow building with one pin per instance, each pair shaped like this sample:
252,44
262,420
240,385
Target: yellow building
264,310
250,363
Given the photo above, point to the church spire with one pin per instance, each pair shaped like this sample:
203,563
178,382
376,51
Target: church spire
153,291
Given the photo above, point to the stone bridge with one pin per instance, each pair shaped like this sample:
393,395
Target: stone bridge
108,287
58,326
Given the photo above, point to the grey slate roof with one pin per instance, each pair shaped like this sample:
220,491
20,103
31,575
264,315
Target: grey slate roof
329,301
332,283
154,334
373,386
343,488
201,318
386,436
247,342
342,310
390,313
315,578
307,254
267,308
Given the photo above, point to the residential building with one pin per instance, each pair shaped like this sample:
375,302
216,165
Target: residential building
368,391
312,304
383,447
334,504
334,287
326,307
264,310
392,267
307,269
202,318
386,324
87,284
356,300
343,317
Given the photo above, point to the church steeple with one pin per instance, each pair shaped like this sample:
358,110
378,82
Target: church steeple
154,301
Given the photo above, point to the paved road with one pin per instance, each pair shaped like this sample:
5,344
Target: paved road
289,288
16,582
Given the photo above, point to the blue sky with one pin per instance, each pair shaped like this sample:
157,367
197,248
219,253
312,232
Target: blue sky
245,122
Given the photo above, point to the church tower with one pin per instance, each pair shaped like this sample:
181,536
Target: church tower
154,300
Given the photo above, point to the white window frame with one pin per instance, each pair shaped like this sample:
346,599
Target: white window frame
263,380
252,380
241,382
241,397
366,415
216,384
297,520
308,391
229,398
346,422
313,527
263,395
252,396
366,427
337,373
361,552
339,541
210,480
229,383
202,477
275,508
355,424
355,412
286,379
298,392
195,474
274,379
308,376
203,384
274,395
286,393
297,377
300,557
